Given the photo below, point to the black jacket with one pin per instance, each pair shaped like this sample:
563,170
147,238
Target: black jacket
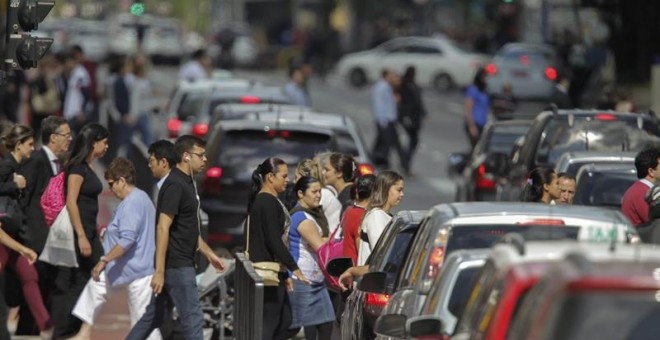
561,99
37,171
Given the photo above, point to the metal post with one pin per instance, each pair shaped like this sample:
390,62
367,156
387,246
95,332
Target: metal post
248,300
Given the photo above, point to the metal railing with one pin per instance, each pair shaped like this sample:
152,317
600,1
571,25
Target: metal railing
248,300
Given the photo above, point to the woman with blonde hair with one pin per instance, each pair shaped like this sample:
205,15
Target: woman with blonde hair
387,194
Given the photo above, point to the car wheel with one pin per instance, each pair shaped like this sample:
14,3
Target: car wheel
357,77
443,82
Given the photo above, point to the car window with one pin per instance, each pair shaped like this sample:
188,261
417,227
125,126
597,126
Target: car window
593,135
502,139
346,143
483,236
397,254
603,189
421,49
605,315
241,150
477,297
407,277
190,105
461,291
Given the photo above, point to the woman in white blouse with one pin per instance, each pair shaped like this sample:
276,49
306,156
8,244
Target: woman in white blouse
387,194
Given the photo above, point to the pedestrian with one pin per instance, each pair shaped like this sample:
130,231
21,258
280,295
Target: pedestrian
567,185
411,111
141,96
350,222
90,66
121,97
542,186
504,104
384,108
44,97
386,195
42,165
329,203
19,144
78,91
128,245
295,88
269,224
560,93
177,240
633,204
161,160
196,69
311,306
476,106
339,171
83,188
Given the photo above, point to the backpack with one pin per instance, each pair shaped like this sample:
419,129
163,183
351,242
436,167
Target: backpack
53,199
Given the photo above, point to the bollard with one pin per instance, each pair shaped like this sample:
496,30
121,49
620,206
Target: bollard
248,300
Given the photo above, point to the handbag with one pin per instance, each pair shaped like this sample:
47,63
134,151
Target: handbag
60,245
331,250
11,215
268,270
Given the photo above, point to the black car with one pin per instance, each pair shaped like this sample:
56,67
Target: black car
479,172
603,185
556,132
362,308
234,150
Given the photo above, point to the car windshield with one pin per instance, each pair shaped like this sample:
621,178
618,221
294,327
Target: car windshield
605,315
484,236
503,138
242,150
191,104
593,135
603,188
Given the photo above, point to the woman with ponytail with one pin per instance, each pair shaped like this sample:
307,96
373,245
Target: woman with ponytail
269,222
542,186
339,172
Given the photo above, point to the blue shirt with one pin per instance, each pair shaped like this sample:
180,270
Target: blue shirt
481,105
383,103
296,93
132,227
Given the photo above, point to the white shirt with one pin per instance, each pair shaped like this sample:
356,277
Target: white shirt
331,208
373,225
193,70
54,161
161,181
74,100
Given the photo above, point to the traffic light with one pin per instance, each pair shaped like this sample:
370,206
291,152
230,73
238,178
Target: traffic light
23,50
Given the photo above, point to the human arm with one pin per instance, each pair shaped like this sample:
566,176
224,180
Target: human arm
12,244
346,278
310,234
114,253
74,183
214,259
162,240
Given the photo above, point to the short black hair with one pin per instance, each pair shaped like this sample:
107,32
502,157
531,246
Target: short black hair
77,49
185,144
566,175
646,159
198,54
163,149
49,126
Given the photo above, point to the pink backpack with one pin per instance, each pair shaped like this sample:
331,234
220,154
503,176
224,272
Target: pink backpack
53,199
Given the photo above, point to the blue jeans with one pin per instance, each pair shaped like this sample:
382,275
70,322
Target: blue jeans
180,291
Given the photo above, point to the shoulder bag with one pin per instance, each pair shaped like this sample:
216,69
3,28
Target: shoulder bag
268,270
332,249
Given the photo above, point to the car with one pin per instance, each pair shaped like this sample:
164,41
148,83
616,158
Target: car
234,149
163,41
478,225
440,63
240,111
583,299
603,185
530,69
571,162
479,171
555,132
362,309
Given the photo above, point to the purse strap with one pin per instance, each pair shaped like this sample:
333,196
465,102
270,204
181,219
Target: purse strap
247,246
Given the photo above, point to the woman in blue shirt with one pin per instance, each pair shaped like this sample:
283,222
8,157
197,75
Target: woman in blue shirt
477,105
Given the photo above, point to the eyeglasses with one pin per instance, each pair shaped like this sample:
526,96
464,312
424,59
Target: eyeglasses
111,183
200,155
65,135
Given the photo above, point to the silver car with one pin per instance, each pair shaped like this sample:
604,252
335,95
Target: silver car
571,162
603,185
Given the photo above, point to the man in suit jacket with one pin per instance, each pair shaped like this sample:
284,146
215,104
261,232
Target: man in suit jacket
560,96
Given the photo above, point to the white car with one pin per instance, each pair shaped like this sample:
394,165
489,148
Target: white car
440,63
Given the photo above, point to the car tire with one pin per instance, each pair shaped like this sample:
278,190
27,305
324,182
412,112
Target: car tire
443,82
357,77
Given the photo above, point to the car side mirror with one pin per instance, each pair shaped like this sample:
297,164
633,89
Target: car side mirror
338,266
425,325
457,162
373,282
391,325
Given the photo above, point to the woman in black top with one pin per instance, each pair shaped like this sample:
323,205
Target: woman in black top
269,222
83,187
339,172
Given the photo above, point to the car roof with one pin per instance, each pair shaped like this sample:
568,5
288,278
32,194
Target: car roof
217,83
247,124
607,168
331,120
260,108
572,156
265,92
410,216
527,46
581,113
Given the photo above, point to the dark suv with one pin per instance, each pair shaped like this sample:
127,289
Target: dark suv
234,150
556,132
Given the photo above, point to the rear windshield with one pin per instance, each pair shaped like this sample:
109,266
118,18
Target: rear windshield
603,189
502,138
606,315
346,144
531,54
242,149
191,104
241,99
461,291
484,236
593,135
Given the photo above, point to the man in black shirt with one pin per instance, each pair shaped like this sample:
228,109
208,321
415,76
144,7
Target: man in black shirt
177,239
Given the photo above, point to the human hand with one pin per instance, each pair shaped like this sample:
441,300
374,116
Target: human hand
346,280
474,132
20,181
217,263
301,277
157,282
29,254
85,247
96,272
289,284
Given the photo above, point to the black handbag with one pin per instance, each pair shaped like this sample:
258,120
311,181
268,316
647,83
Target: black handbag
11,215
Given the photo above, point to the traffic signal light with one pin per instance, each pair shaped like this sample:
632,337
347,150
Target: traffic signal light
23,50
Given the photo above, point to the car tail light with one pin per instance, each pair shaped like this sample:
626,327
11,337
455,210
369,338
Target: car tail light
365,169
173,127
484,182
212,180
377,300
220,238
491,69
250,100
200,129
524,59
605,116
436,258
544,221
214,172
276,133
551,73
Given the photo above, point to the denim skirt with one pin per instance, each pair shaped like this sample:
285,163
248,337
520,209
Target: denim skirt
310,304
